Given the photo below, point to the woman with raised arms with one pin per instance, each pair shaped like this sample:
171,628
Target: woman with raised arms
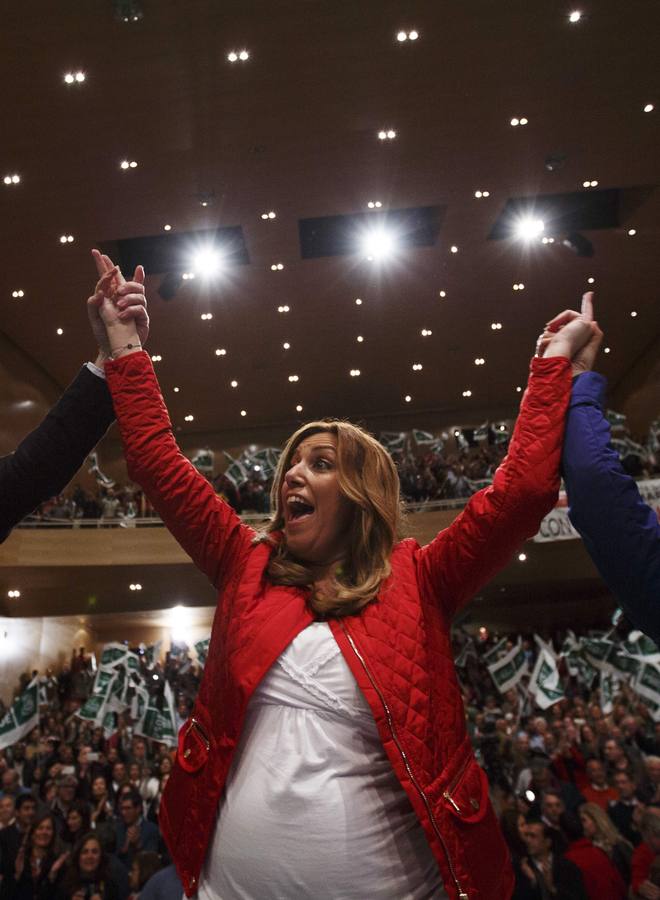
326,757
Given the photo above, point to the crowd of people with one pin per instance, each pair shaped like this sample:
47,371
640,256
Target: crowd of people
577,790
437,469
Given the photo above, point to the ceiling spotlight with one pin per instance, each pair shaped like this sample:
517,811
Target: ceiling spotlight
547,240
220,351
359,339
649,107
69,78
426,332
243,55
479,361
206,316
518,389
453,248
354,373
442,294
244,412
188,418
413,35
528,228
232,56
277,267
13,594
299,408
128,11
632,232
188,276
269,215
60,331
522,557
496,326
207,262
66,239
417,367
286,345
378,245
519,286
589,184
176,390
606,349
233,384
578,244
386,135
402,36
633,314
407,398
17,294
293,378
374,204
156,357
167,227
358,302
591,280
283,309
480,194
12,179
467,393
575,16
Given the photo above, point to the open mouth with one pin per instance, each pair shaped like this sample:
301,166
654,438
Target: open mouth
298,509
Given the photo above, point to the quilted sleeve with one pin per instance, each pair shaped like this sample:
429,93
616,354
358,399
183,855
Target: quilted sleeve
497,519
207,528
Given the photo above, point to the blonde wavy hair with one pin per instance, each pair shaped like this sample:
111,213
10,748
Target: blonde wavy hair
607,835
368,478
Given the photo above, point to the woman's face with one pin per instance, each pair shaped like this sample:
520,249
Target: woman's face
90,856
98,788
74,820
588,825
315,531
43,834
165,765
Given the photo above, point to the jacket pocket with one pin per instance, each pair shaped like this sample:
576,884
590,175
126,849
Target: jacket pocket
194,745
466,795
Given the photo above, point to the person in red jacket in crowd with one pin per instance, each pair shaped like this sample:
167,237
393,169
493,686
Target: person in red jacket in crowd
644,855
327,754
602,880
597,790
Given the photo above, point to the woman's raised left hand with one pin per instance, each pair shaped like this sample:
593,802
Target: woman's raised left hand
574,335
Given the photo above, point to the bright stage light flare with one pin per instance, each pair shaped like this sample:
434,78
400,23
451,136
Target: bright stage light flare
207,262
379,245
529,228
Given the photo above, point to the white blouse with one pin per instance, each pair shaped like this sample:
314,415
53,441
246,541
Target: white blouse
312,809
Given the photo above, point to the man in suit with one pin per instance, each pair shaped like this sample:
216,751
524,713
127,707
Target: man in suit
545,874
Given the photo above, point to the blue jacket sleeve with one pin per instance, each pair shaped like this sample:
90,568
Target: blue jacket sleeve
620,531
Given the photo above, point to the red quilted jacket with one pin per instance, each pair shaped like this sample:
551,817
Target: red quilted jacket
398,648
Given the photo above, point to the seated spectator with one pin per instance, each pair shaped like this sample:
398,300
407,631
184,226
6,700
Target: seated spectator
649,789
164,885
12,837
145,864
601,831
88,875
601,878
76,824
101,807
133,832
552,809
597,790
616,759
621,811
7,811
67,785
39,864
544,873
645,855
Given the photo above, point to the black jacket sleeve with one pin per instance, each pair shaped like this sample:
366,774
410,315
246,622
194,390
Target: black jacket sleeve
48,458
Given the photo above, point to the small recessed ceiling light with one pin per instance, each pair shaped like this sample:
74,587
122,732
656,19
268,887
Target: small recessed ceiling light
632,231
359,339
442,294
633,314
519,286
387,135
220,351
479,361
589,184
374,204
283,309
69,78
575,16
467,393
80,77
167,227
60,331
402,36
426,332
518,389
299,408
13,594
17,294
188,418
293,378
286,345
413,35
417,367
277,267
480,194
407,398
547,240
269,215
354,373
156,357
358,302
243,55
522,557
66,239
496,326
649,107
136,587
606,350
176,390
232,56
453,248
244,412
188,276
233,384
591,280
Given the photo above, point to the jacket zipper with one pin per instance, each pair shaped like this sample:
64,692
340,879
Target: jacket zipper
461,893
195,723
457,777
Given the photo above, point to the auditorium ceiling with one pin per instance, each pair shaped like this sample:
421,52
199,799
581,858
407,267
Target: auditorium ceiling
294,130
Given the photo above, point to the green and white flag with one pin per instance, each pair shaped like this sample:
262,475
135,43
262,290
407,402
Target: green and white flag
96,706
544,684
392,440
647,683
640,646
202,649
467,650
159,724
152,654
112,654
507,671
607,688
496,651
266,460
423,437
235,471
22,716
